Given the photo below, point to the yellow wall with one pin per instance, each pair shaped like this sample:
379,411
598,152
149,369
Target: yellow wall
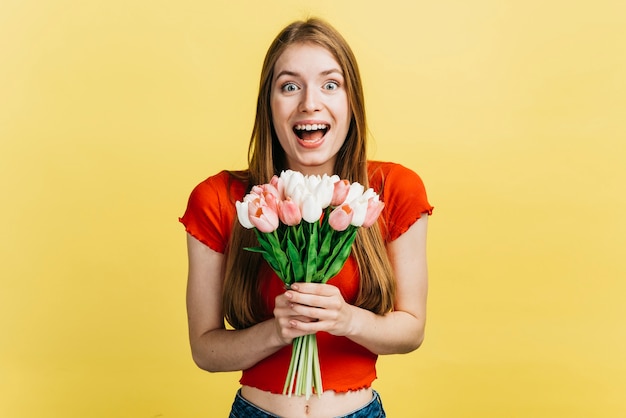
513,112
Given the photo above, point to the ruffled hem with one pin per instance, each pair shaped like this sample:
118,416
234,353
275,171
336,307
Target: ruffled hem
399,231
336,389
199,237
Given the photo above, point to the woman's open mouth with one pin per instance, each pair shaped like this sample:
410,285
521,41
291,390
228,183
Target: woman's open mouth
310,132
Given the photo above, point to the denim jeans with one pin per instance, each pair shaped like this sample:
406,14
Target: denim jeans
244,409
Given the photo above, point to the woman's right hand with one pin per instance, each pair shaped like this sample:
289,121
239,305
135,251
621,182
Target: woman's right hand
284,315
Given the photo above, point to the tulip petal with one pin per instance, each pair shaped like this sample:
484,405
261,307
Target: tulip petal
242,214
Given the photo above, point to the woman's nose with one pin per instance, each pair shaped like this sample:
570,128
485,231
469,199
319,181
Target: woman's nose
310,101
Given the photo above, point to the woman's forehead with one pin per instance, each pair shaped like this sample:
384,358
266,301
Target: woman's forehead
308,57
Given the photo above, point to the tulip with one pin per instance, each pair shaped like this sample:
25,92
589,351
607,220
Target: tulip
272,189
279,183
242,214
356,191
359,204
340,192
298,194
374,208
289,212
263,217
274,181
324,191
289,181
271,201
312,181
359,207
340,218
311,209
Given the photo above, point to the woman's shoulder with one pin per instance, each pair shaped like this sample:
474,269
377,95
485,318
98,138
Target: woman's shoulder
404,195
224,177
382,172
211,208
225,182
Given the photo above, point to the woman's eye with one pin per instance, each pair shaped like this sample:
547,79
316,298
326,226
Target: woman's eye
331,85
289,87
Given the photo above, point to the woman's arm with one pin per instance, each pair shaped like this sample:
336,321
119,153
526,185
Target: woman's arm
213,347
399,331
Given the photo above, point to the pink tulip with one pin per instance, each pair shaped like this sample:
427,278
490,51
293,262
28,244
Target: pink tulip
262,216
275,184
374,208
342,187
264,189
271,201
340,218
289,212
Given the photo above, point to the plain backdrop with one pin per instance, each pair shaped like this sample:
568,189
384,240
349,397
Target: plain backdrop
512,112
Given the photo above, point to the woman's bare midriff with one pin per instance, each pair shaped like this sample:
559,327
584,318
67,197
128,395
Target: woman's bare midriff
330,404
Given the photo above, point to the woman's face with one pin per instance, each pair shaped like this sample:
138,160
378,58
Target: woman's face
310,108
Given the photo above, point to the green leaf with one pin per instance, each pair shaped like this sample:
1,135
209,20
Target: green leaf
324,248
263,240
301,238
279,255
311,256
269,257
339,255
296,262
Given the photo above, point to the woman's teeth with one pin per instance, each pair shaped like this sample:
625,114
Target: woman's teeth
312,127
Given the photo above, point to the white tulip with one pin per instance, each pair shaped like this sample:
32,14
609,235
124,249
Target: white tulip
359,205
311,209
356,191
242,214
368,194
324,191
312,181
298,194
291,180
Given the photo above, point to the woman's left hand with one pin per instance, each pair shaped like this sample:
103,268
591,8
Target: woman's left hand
324,305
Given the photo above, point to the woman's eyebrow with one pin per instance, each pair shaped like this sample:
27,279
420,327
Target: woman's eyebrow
287,73
296,74
332,71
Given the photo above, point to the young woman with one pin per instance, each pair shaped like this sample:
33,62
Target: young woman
310,118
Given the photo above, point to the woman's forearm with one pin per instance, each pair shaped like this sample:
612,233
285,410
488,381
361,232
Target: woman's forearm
396,332
222,350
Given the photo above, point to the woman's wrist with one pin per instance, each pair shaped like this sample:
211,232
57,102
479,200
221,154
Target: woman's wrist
275,338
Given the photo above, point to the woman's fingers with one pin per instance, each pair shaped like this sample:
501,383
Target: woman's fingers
315,295
324,307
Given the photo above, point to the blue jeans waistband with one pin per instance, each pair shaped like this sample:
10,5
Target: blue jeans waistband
242,408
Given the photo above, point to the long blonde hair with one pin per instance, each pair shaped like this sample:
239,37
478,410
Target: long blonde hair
242,303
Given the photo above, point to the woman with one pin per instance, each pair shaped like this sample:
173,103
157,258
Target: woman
310,118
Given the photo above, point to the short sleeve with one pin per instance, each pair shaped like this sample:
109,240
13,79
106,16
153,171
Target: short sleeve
405,198
210,210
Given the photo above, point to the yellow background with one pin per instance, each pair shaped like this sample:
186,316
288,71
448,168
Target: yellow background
513,112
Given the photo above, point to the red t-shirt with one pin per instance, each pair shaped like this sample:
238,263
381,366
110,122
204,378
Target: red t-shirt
345,365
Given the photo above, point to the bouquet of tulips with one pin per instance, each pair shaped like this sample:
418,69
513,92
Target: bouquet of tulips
305,226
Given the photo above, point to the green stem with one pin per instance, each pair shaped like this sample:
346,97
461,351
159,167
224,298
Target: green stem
293,366
309,365
301,366
317,372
